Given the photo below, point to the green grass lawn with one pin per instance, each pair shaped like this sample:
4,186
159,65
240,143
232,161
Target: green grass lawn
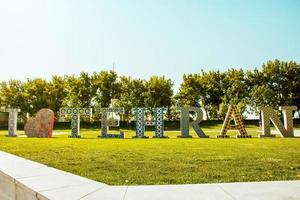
164,161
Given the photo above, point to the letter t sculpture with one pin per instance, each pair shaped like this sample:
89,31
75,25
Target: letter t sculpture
75,118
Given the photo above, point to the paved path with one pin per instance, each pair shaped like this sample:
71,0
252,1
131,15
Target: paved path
23,179
242,191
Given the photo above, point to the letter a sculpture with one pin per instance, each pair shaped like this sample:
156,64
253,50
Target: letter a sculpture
239,125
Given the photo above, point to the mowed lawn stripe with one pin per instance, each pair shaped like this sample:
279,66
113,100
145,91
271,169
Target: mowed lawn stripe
163,161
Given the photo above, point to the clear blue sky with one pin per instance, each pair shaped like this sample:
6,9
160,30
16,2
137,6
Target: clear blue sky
41,38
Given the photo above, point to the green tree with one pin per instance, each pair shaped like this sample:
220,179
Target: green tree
263,96
212,93
282,79
105,87
79,91
57,93
36,95
132,95
276,84
13,95
295,83
159,92
189,90
203,90
234,90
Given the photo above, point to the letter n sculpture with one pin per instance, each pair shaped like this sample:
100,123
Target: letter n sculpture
239,125
75,118
270,115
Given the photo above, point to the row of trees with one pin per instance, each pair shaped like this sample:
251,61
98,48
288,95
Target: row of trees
276,83
87,90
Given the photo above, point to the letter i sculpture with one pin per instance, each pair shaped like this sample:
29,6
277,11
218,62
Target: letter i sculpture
12,121
139,122
159,122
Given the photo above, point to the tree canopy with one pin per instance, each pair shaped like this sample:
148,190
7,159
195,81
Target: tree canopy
275,84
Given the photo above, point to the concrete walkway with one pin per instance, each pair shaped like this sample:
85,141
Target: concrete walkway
23,179
243,191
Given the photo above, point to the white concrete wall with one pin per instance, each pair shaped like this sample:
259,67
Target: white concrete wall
22,179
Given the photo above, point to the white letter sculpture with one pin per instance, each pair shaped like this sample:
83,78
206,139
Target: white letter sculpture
239,125
75,115
185,122
267,114
139,122
106,122
159,122
12,121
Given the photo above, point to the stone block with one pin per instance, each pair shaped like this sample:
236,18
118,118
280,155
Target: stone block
7,187
24,193
41,125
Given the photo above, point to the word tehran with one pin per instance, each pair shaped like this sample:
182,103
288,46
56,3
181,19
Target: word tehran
268,115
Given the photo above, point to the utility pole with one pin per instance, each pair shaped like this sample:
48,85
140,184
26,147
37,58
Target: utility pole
112,92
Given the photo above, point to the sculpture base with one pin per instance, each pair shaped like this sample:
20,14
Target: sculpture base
184,136
206,136
143,137
223,136
160,137
109,135
74,136
11,135
266,136
244,136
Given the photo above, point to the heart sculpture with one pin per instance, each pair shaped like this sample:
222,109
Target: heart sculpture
41,125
